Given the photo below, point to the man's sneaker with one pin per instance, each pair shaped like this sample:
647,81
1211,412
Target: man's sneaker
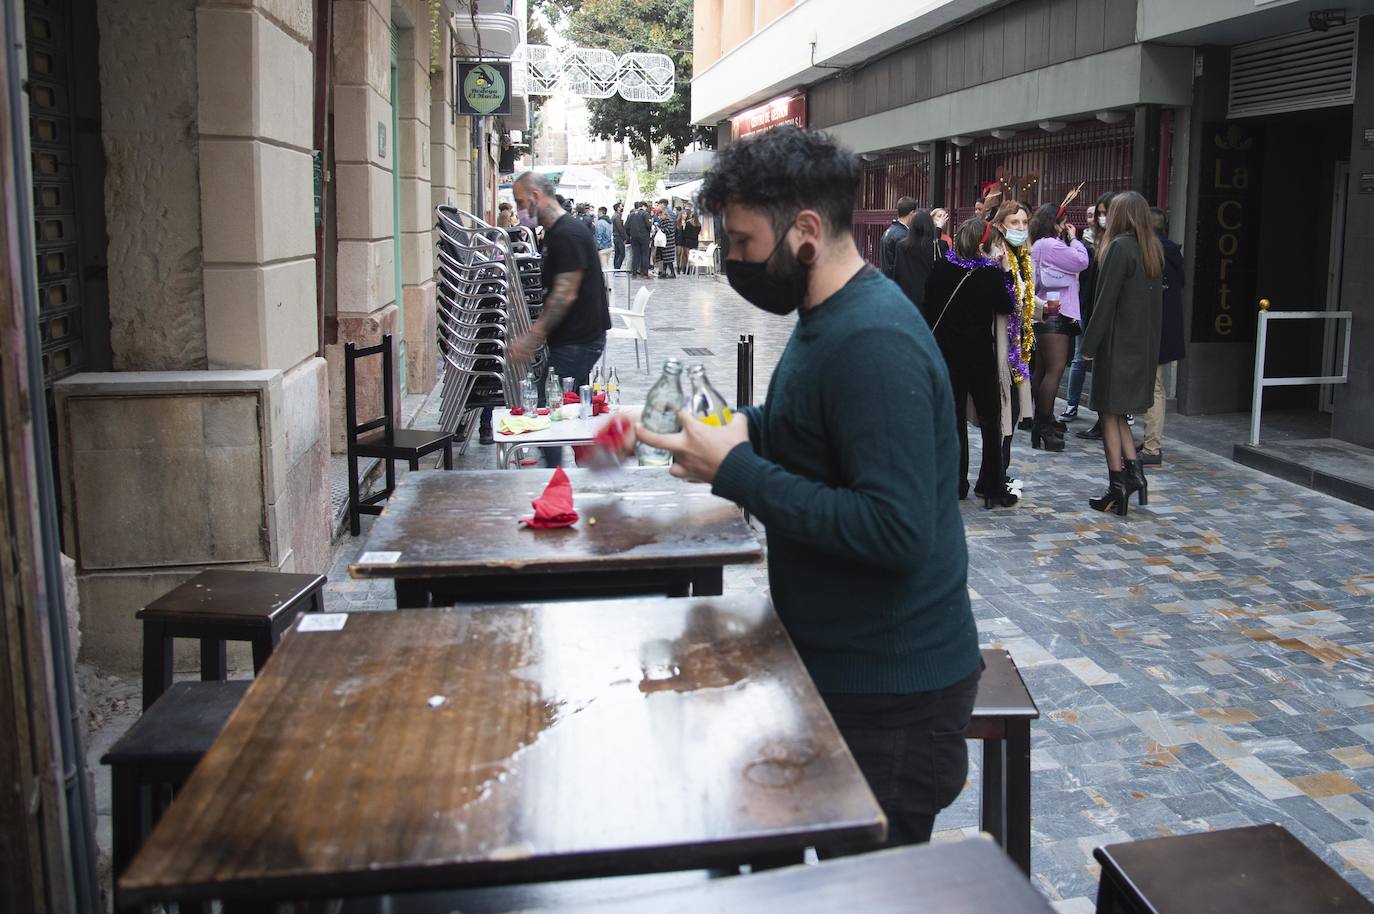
1151,460
1069,414
484,436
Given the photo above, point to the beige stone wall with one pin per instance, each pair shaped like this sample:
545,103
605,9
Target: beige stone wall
256,100
152,177
737,23
413,160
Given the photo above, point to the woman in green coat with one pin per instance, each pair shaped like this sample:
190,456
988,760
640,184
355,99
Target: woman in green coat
1122,339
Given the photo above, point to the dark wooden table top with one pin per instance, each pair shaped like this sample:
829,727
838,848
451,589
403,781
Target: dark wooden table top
1001,690
1256,868
232,596
444,748
963,877
464,524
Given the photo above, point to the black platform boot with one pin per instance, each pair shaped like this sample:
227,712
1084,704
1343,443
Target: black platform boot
1115,498
1136,481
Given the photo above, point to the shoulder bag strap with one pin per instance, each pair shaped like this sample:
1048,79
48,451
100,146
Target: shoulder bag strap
951,299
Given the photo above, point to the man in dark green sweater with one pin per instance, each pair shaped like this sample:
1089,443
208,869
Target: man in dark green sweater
850,464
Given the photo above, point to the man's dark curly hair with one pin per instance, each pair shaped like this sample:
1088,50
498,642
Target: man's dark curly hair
783,172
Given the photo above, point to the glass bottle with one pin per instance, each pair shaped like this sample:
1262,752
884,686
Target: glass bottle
596,380
707,404
553,392
613,388
660,413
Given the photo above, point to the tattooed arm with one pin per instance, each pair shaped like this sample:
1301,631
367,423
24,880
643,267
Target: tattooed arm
557,303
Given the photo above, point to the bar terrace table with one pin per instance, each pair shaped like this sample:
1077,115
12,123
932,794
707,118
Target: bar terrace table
516,743
453,537
565,432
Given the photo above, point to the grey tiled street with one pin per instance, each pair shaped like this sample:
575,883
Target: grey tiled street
1205,662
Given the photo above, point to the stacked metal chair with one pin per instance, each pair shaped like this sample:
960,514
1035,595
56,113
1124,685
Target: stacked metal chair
489,294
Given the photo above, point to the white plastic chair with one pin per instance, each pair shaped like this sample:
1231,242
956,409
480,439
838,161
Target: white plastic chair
702,260
636,327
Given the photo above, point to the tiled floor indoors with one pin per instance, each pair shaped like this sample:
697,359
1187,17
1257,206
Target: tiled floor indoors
1205,662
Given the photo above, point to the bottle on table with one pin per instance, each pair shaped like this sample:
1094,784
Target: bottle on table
660,413
707,404
596,380
553,392
613,388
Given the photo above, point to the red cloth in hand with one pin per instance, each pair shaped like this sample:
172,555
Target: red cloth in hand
555,507
607,445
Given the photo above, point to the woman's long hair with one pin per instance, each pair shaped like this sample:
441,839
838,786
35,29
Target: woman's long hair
968,240
1129,214
1044,223
1005,211
922,231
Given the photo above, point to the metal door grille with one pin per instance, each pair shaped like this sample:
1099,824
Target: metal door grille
1294,72
54,188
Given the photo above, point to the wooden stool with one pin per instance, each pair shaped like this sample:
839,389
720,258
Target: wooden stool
1259,869
1002,715
157,754
220,606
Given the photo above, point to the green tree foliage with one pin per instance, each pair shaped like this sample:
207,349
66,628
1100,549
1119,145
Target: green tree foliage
664,26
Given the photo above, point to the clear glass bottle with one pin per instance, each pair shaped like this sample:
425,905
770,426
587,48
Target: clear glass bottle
597,384
660,413
613,388
553,392
707,404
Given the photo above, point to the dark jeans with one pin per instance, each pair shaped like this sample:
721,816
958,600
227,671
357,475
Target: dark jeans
911,751
619,253
639,260
572,361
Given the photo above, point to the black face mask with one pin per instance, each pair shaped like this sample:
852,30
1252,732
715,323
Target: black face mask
776,285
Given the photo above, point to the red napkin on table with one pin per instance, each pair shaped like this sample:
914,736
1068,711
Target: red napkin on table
555,507
599,404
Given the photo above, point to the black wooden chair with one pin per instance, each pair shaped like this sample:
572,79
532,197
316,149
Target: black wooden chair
380,437
1002,715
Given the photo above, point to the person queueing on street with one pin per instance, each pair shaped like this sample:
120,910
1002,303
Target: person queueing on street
576,314
1012,220
639,230
866,553
1122,339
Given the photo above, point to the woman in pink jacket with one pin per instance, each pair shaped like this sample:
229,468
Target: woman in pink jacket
1058,257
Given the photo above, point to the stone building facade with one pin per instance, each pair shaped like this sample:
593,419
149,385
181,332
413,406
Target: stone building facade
266,172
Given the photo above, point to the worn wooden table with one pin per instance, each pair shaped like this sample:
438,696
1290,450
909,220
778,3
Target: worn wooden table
449,748
962,877
453,537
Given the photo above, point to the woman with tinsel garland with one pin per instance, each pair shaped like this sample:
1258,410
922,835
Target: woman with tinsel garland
968,304
1013,221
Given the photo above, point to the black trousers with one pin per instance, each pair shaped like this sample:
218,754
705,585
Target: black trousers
980,383
911,751
639,256
619,253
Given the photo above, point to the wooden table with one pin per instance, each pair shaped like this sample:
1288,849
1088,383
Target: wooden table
1259,868
564,432
449,748
962,877
453,537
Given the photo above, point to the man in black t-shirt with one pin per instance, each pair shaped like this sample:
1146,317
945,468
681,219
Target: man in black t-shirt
576,313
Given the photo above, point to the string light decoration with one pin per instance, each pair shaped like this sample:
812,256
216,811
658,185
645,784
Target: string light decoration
636,76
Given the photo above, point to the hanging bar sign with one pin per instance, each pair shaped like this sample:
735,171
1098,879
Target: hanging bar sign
484,88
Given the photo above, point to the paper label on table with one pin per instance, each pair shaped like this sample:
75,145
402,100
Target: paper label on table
322,622
379,558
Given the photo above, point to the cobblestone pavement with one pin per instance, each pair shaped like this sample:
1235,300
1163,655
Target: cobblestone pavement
1205,662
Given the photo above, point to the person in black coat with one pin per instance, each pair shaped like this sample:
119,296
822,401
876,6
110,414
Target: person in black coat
618,235
895,234
639,230
966,291
1171,343
916,255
